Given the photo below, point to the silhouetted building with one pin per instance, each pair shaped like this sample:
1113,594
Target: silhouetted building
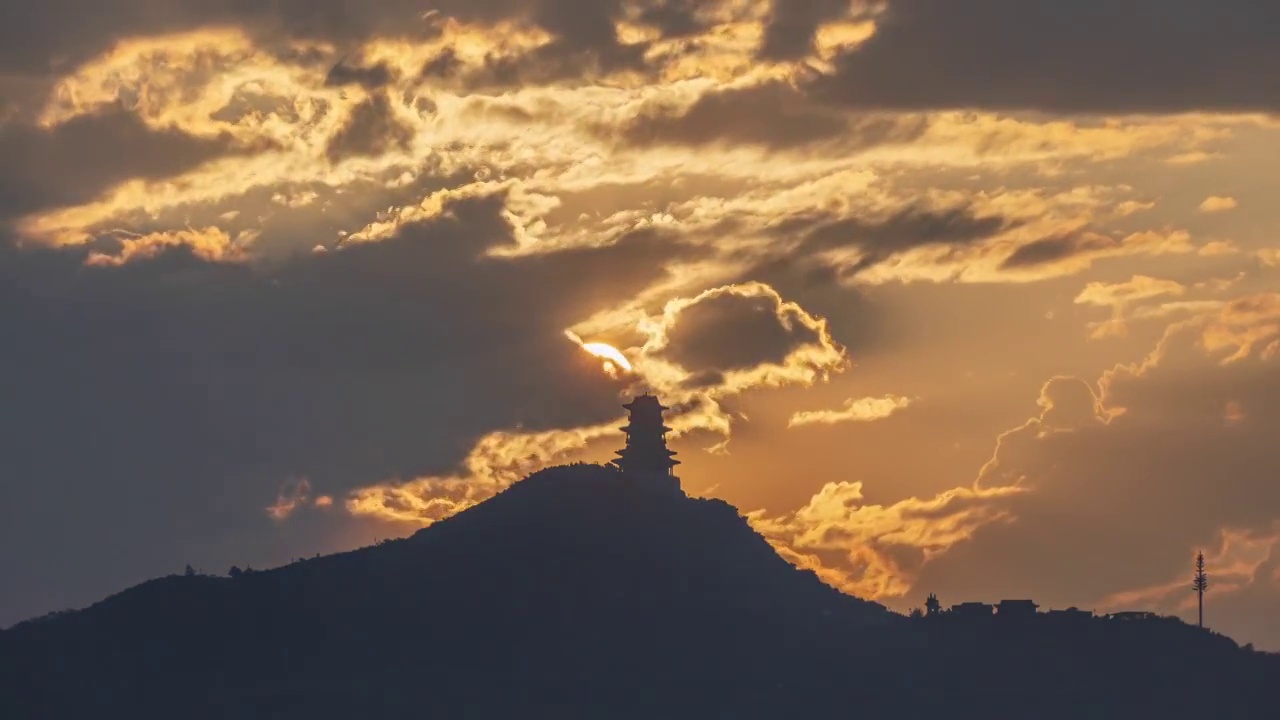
1071,614
1131,615
972,610
646,453
1016,609
931,605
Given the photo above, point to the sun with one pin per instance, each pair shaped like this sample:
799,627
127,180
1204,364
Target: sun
609,354
614,360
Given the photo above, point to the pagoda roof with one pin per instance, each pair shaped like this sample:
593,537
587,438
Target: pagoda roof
625,456
646,400
632,450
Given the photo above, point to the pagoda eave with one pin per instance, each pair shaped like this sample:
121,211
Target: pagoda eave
634,404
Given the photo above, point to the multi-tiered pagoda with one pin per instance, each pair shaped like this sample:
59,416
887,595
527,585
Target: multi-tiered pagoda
646,454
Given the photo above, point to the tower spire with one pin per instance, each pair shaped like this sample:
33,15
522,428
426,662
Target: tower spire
1200,583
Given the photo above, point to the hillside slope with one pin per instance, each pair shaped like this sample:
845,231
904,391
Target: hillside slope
580,594
571,584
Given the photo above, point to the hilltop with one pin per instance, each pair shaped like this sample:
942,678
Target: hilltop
570,584
581,592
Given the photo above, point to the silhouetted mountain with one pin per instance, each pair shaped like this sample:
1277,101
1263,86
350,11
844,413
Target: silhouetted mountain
581,592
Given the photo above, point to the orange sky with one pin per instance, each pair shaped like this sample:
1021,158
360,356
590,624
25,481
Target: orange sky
942,315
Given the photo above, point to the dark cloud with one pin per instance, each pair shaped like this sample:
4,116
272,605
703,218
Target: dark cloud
772,115
77,160
878,240
909,228
444,65
799,273
373,129
673,18
789,31
705,379
546,64
1087,56
582,23
796,274
854,320
589,25
370,78
729,331
154,407
1054,249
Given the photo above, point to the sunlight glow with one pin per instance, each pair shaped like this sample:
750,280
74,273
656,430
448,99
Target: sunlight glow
614,360
609,353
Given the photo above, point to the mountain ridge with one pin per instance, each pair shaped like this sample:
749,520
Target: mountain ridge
578,592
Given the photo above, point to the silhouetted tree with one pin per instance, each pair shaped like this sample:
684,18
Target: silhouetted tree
916,613
931,605
189,571
235,571
1200,583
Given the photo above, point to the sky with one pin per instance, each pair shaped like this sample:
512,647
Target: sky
978,299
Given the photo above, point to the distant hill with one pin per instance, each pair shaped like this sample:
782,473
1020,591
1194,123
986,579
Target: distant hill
581,592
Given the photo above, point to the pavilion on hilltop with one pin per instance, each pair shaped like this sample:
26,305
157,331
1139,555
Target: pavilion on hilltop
646,454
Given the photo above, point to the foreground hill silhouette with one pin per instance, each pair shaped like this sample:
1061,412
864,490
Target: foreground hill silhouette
580,592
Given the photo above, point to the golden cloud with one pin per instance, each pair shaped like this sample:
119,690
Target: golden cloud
1244,326
210,244
1240,326
1120,296
294,495
1217,204
874,551
541,141
855,410
493,464
1020,257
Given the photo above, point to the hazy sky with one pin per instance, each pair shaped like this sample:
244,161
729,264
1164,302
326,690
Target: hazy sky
974,298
